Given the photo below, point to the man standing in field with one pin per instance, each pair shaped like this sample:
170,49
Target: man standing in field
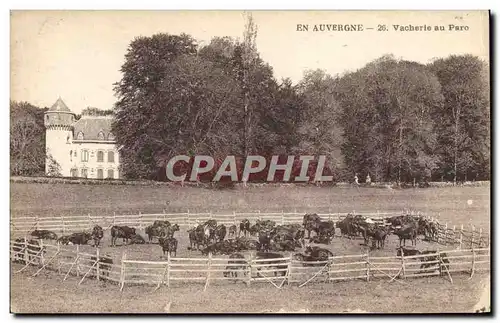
368,179
356,179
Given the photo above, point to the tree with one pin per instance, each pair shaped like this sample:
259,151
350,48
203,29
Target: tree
464,119
319,130
91,111
387,118
27,139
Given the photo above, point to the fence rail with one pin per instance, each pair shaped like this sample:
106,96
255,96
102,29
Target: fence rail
69,260
446,235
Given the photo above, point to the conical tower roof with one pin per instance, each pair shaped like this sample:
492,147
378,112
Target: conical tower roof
59,106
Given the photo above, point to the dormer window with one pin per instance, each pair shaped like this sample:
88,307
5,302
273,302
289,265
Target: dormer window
111,136
80,136
100,136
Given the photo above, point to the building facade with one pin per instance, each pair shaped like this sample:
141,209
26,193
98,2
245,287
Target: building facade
80,148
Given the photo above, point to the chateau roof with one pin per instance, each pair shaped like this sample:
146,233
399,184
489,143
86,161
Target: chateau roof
59,105
91,126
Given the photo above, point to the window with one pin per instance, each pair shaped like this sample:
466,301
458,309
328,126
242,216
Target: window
111,157
67,139
75,153
100,174
100,136
111,173
79,136
100,156
111,136
71,155
85,155
74,172
84,172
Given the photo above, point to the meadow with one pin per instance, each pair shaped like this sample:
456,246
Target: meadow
453,205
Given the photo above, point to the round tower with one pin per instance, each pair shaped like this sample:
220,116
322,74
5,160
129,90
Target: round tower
58,138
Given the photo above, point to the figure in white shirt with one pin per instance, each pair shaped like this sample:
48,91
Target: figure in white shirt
356,179
368,179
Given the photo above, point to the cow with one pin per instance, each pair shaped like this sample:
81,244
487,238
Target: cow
264,241
406,252
279,265
406,233
44,234
220,232
160,223
123,232
169,231
137,239
152,231
287,245
168,245
307,260
105,264
311,223
236,263
379,235
318,253
232,231
435,258
244,227
196,238
77,238
97,234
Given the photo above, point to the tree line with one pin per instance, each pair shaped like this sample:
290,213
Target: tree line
394,119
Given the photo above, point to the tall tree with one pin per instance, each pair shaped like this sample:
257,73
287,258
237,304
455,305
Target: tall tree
27,139
464,133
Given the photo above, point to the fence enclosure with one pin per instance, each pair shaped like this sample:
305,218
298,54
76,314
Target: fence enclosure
69,260
461,237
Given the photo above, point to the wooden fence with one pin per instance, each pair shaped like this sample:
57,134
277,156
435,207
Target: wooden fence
461,237
70,260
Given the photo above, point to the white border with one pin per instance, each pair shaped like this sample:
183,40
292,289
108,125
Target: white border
193,5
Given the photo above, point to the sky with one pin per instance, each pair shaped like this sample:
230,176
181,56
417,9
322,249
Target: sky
77,55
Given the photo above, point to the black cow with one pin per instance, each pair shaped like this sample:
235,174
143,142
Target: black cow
306,260
264,241
277,263
232,231
137,239
123,232
168,245
220,232
44,234
77,238
97,234
236,263
318,253
169,231
407,233
152,231
311,223
433,257
244,227
105,263
407,252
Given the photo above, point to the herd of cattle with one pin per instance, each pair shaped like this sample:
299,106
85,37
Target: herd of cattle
265,237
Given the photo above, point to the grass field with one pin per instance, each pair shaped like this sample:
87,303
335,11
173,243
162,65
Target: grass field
455,205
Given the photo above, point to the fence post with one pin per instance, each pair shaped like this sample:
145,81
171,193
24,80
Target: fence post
42,261
122,270
98,261
454,236
461,235
26,254
37,223
368,266
168,269
472,236
63,225
90,221
473,262
479,237
289,269
249,272
403,263
58,251
114,218
140,220
209,263
77,260
234,218
189,217
282,217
